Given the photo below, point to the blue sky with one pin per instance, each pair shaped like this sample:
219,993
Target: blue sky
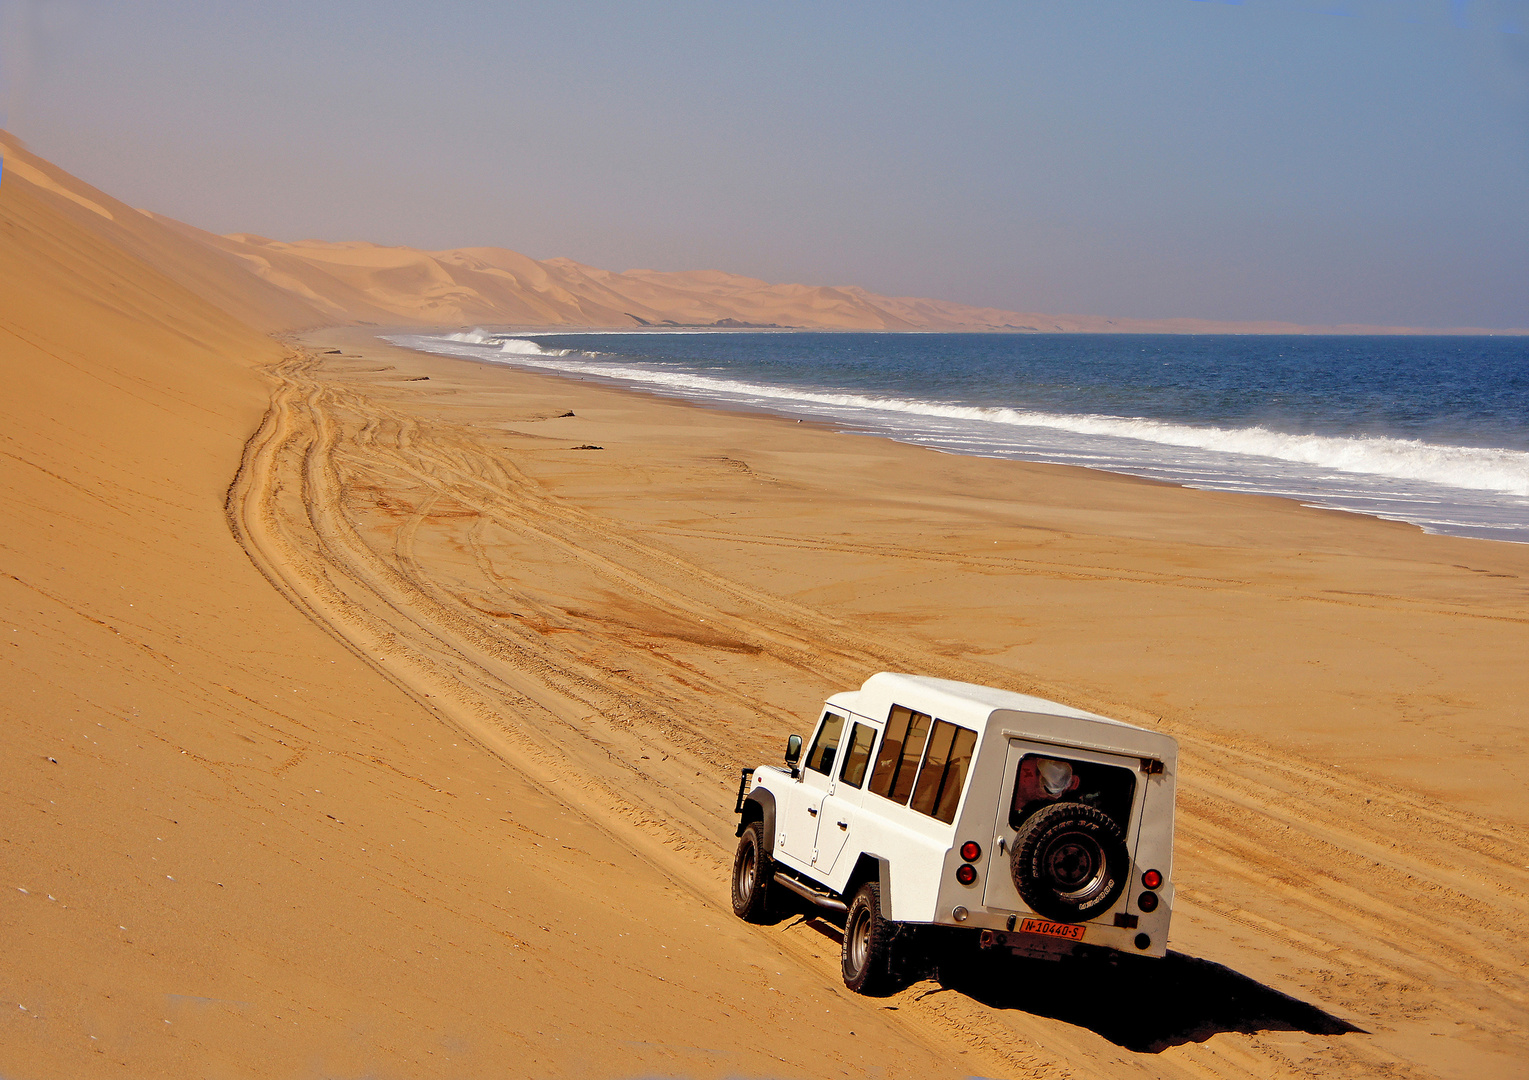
1318,162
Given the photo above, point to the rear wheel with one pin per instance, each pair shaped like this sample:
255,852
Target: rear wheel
867,951
753,874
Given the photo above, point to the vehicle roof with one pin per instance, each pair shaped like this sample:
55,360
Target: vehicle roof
955,700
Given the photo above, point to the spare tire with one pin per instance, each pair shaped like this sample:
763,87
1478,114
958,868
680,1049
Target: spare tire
1069,862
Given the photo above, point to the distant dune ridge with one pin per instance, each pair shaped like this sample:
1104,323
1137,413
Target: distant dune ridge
354,280
311,283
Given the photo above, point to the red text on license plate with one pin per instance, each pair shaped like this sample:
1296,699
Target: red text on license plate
1052,929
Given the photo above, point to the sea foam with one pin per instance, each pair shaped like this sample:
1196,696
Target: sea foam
1385,471
1476,468
512,345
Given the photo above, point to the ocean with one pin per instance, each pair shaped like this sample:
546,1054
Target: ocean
1428,430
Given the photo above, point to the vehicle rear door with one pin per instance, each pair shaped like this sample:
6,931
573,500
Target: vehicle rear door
1105,781
998,889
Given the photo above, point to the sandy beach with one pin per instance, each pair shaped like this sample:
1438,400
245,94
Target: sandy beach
381,713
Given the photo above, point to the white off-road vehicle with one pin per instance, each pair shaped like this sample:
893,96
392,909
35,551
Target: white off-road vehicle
923,803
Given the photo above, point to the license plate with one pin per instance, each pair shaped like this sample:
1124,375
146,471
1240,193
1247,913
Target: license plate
1052,929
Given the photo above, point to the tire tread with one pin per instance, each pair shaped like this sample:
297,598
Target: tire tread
1034,833
878,975
758,906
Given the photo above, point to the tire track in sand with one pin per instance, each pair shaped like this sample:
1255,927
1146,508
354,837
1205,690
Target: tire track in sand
629,717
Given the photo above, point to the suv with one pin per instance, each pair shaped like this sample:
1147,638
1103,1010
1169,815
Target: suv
1015,821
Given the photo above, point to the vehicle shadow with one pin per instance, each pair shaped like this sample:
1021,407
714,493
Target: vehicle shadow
824,924
1144,1006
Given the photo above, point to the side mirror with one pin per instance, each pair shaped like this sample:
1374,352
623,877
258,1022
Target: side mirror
793,752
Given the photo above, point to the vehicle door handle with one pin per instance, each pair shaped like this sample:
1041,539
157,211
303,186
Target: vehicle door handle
811,811
844,825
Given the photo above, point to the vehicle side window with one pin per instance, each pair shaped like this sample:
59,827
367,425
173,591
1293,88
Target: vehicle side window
901,747
857,757
825,748
946,762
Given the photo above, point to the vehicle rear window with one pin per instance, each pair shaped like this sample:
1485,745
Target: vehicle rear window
825,747
858,755
1043,780
901,747
946,762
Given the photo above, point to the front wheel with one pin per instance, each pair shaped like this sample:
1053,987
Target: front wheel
867,951
753,874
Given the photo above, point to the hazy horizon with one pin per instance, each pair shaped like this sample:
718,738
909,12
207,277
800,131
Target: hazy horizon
1343,163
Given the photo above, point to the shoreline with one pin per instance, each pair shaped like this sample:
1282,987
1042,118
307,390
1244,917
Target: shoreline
1234,456
540,329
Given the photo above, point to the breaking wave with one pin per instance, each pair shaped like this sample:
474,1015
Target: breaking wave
1397,478
512,345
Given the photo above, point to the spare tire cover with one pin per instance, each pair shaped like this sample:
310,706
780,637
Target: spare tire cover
1069,862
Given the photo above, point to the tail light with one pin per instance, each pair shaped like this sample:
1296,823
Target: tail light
1152,879
971,851
966,873
1147,901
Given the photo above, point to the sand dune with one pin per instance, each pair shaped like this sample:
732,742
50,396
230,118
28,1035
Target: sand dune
273,284
357,281
361,282
232,845
359,723
312,282
62,202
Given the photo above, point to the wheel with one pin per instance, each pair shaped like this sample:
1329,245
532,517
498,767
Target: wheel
1069,862
867,951
753,874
